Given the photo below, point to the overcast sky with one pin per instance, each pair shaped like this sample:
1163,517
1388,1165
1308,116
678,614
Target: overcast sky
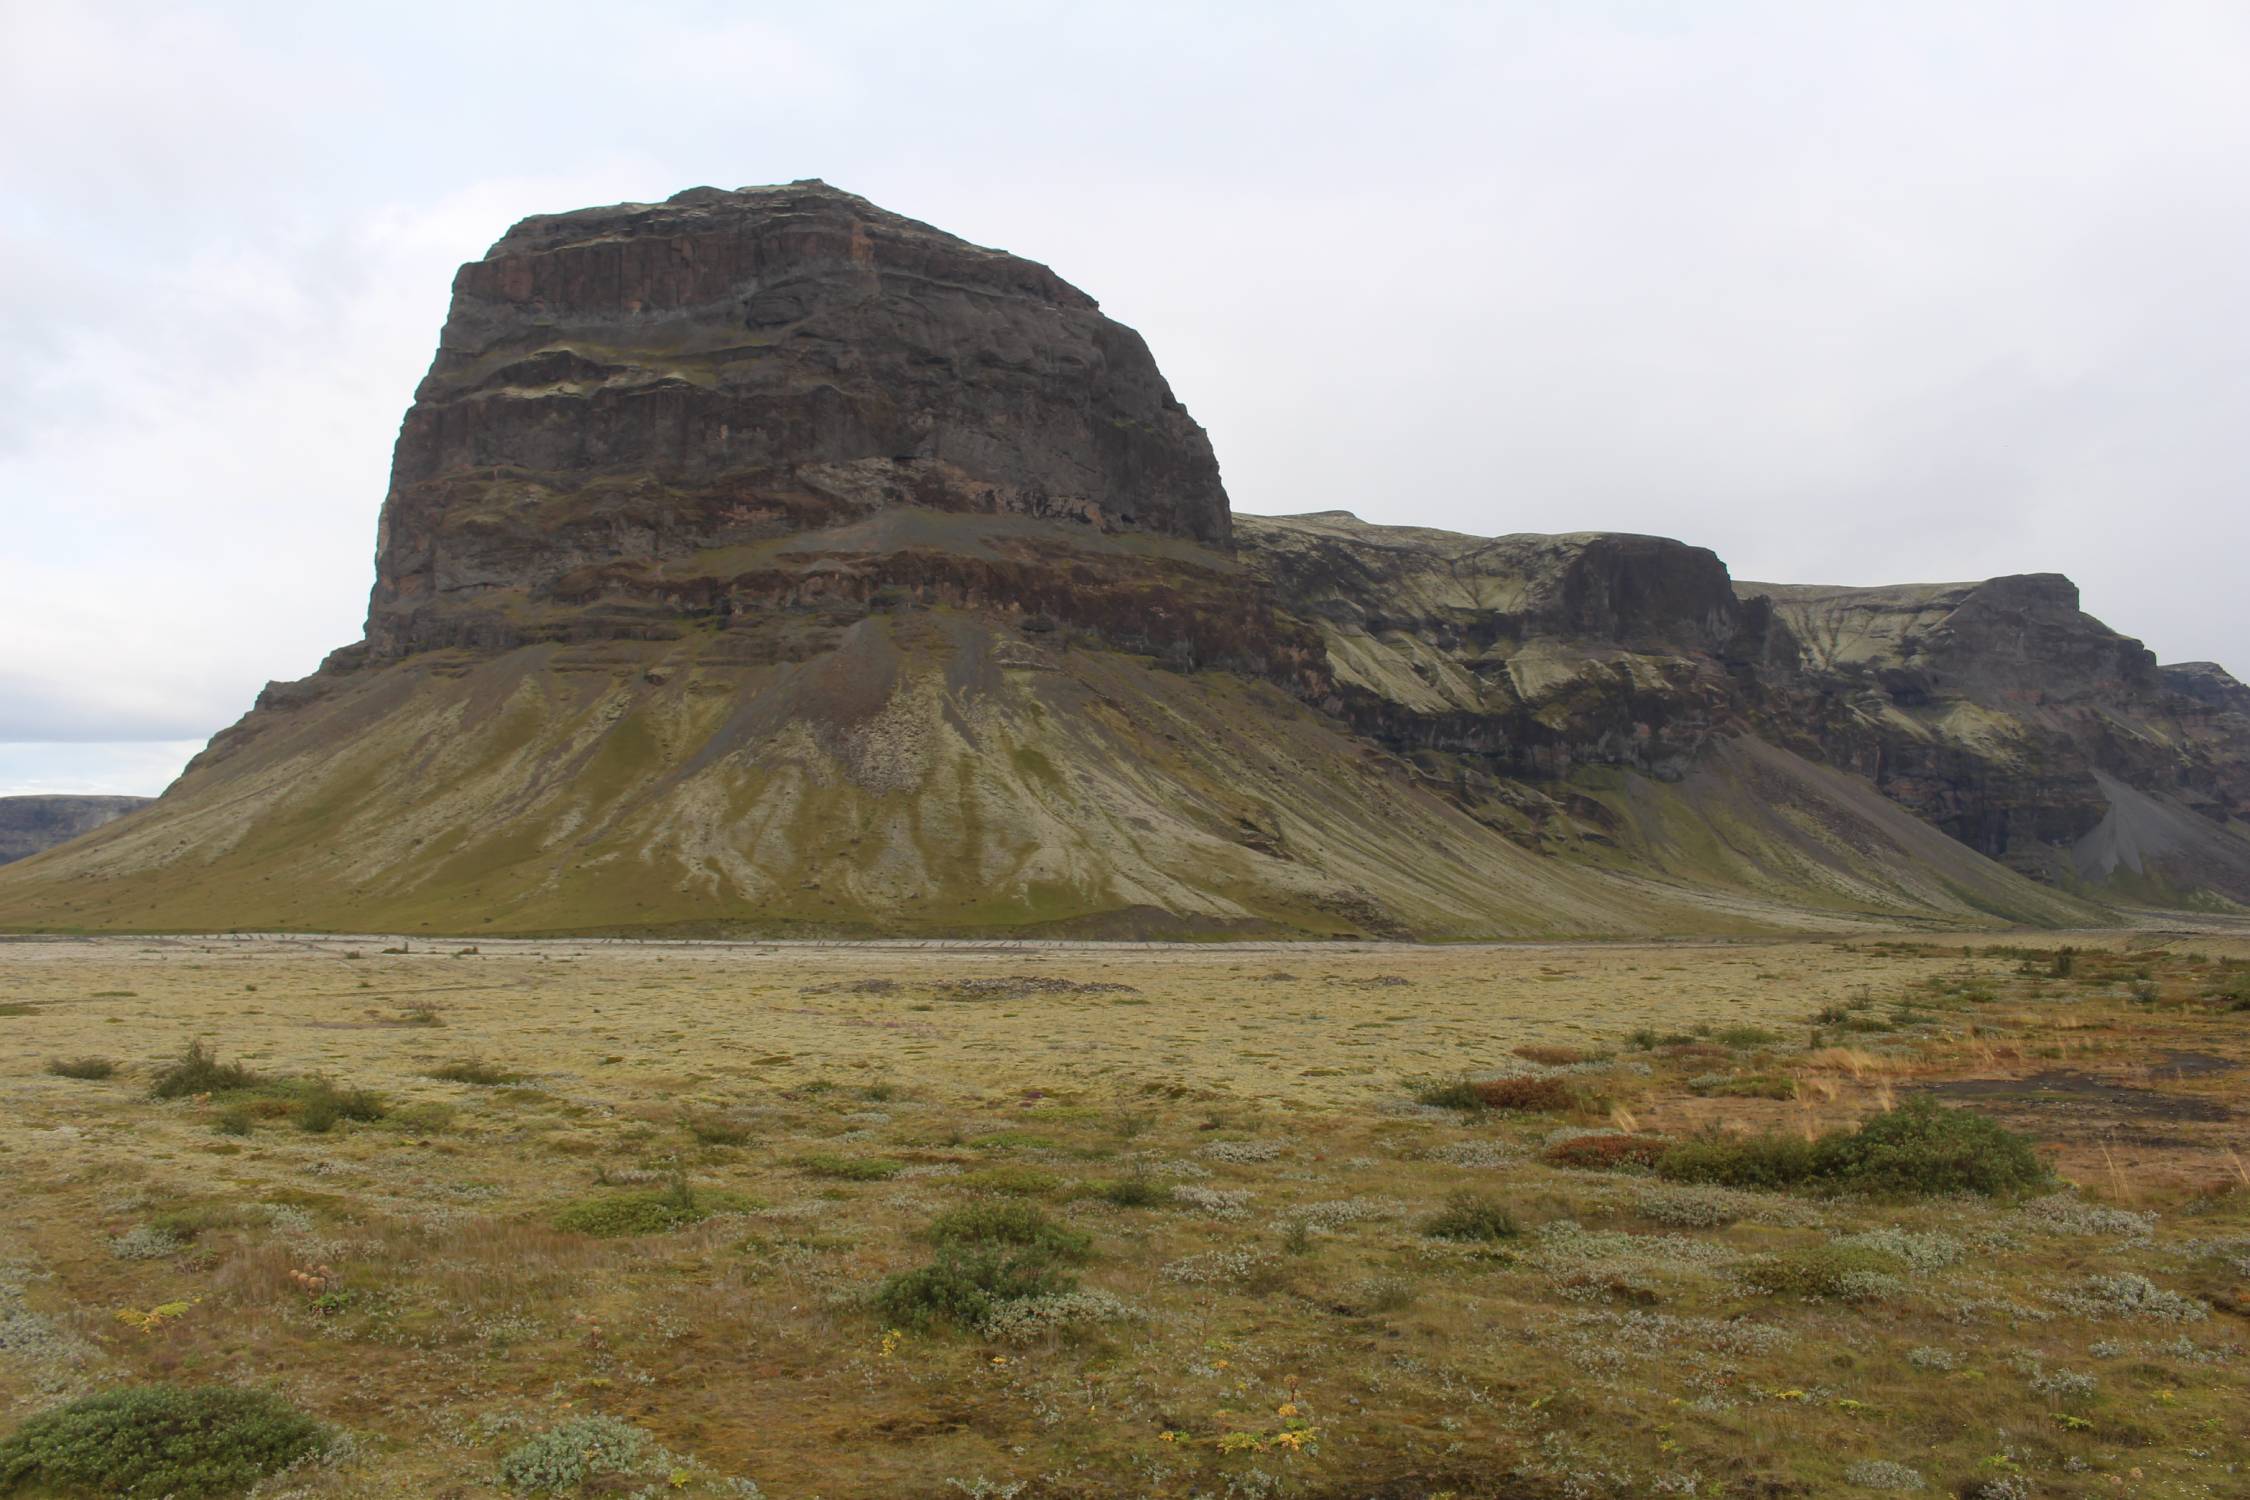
1849,293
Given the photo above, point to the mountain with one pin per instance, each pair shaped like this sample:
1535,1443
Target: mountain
30,824
763,562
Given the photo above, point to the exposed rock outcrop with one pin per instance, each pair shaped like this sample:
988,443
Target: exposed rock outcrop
633,409
31,824
2007,716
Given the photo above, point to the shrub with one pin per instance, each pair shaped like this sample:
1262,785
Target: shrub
235,1119
1134,1192
852,1168
1554,1056
563,1458
1743,1038
1016,1181
1922,1149
1449,1093
321,1105
1760,1161
713,1128
1604,1151
1744,1086
146,1242
1028,1318
1385,1294
197,1070
1017,1225
1883,1474
658,1211
81,1067
477,1071
966,1285
1828,1272
1472,1216
155,1441
1526,1094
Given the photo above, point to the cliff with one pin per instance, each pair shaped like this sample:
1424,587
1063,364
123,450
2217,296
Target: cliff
766,562
31,824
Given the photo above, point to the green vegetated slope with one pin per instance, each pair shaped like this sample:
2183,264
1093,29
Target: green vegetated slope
926,776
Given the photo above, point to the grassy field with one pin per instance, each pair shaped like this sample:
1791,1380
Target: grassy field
619,1219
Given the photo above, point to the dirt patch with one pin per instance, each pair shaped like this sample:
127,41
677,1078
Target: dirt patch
2065,1102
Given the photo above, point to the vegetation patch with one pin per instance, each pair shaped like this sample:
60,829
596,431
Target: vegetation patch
655,1212
1918,1150
1472,1216
197,1070
851,1168
1018,1226
1606,1150
1743,1086
1525,1094
159,1440
561,1459
477,1071
1836,1273
715,1127
82,1067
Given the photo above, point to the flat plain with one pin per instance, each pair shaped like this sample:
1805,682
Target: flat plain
1325,1220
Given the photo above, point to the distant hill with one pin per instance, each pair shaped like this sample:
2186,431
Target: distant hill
763,562
30,824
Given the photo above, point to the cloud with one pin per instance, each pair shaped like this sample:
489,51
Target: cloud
1850,295
141,768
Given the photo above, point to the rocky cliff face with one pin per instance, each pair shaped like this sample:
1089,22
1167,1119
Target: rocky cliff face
634,409
2010,718
762,561
31,824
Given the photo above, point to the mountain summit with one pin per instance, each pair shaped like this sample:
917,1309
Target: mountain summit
764,562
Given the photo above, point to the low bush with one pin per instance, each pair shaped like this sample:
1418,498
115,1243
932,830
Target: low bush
714,1128
851,1168
81,1067
1015,1181
1016,1225
563,1458
1530,1094
1554,1056
1603,1152
1526,1095
197,1070
1826,1272
1771,1160
1472,1216
1920,1149
1744,1086
1449,1093
1134,1192
1744,1038
966,1285
477,1071
322,1105
657,1211
154,1441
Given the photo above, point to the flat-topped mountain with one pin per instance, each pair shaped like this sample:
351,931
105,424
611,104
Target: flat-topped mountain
765,562
632,409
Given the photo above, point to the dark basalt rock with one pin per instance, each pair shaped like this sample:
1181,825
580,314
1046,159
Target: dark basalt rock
31,824
651,383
